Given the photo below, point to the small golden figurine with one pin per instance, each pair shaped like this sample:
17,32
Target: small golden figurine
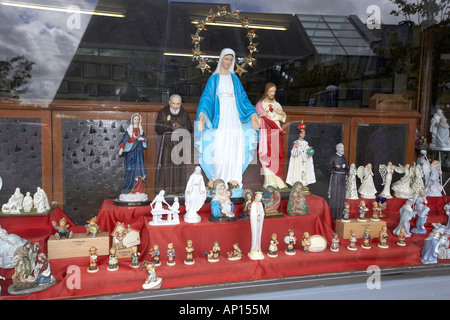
134,257
155,253
93,260
290,240
306,242
113,263
273,246
92,227
383,238
236,254
189,253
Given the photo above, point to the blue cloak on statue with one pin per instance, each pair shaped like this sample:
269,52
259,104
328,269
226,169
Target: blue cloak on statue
210,106
133,162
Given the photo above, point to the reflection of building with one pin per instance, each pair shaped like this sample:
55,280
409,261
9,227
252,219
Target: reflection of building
314,59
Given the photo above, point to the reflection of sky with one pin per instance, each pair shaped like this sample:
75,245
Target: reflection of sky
44,38
324,7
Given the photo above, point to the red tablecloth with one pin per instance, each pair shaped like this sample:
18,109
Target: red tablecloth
203,234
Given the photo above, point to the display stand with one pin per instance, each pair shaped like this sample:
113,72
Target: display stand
77,246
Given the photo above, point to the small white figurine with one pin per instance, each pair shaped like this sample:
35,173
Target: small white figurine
425,163
351,189
406,214
434,187
421,210
417,184
447,212
158,211
367,188
27,204
195,196
8,245
1,278
14,204
402,188
40,201
152,281
434,124
386,172
256,223
442,134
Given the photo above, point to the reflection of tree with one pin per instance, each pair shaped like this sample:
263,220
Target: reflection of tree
14,75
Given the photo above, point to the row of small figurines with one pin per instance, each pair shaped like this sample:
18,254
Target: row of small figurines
18,203
424,176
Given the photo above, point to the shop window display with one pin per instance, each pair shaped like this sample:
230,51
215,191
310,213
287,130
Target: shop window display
340,81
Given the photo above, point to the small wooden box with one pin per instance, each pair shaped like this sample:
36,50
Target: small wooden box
343,228
77,246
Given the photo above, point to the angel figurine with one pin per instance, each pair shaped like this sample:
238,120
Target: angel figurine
351,190
367,188
417,179
425,163
386,172
402,188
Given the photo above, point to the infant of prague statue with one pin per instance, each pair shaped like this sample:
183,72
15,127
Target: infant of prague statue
225,134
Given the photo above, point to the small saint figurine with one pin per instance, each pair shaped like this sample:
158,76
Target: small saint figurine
271,200
297,204
170,255
346,213
362,211
383,235
273,246
353,240
93,260
290,240
256,224
335,243
213,255
152,281
367,239
421,210
155,254
92,227
134,257
375,211
306,242
367,188
113,262
222,208
434,187
247,195
236,254
401,237
189,253
42,270
406,214
62,230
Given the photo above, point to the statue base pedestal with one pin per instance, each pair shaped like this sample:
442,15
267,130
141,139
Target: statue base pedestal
221,219
121,203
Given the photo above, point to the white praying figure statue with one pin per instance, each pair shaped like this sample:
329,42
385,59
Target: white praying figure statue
40,201
256,224
195,196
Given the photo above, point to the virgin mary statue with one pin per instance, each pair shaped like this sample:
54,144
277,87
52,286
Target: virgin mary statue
225,135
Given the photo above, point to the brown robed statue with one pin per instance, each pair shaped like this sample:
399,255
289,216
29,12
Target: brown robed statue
170,177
